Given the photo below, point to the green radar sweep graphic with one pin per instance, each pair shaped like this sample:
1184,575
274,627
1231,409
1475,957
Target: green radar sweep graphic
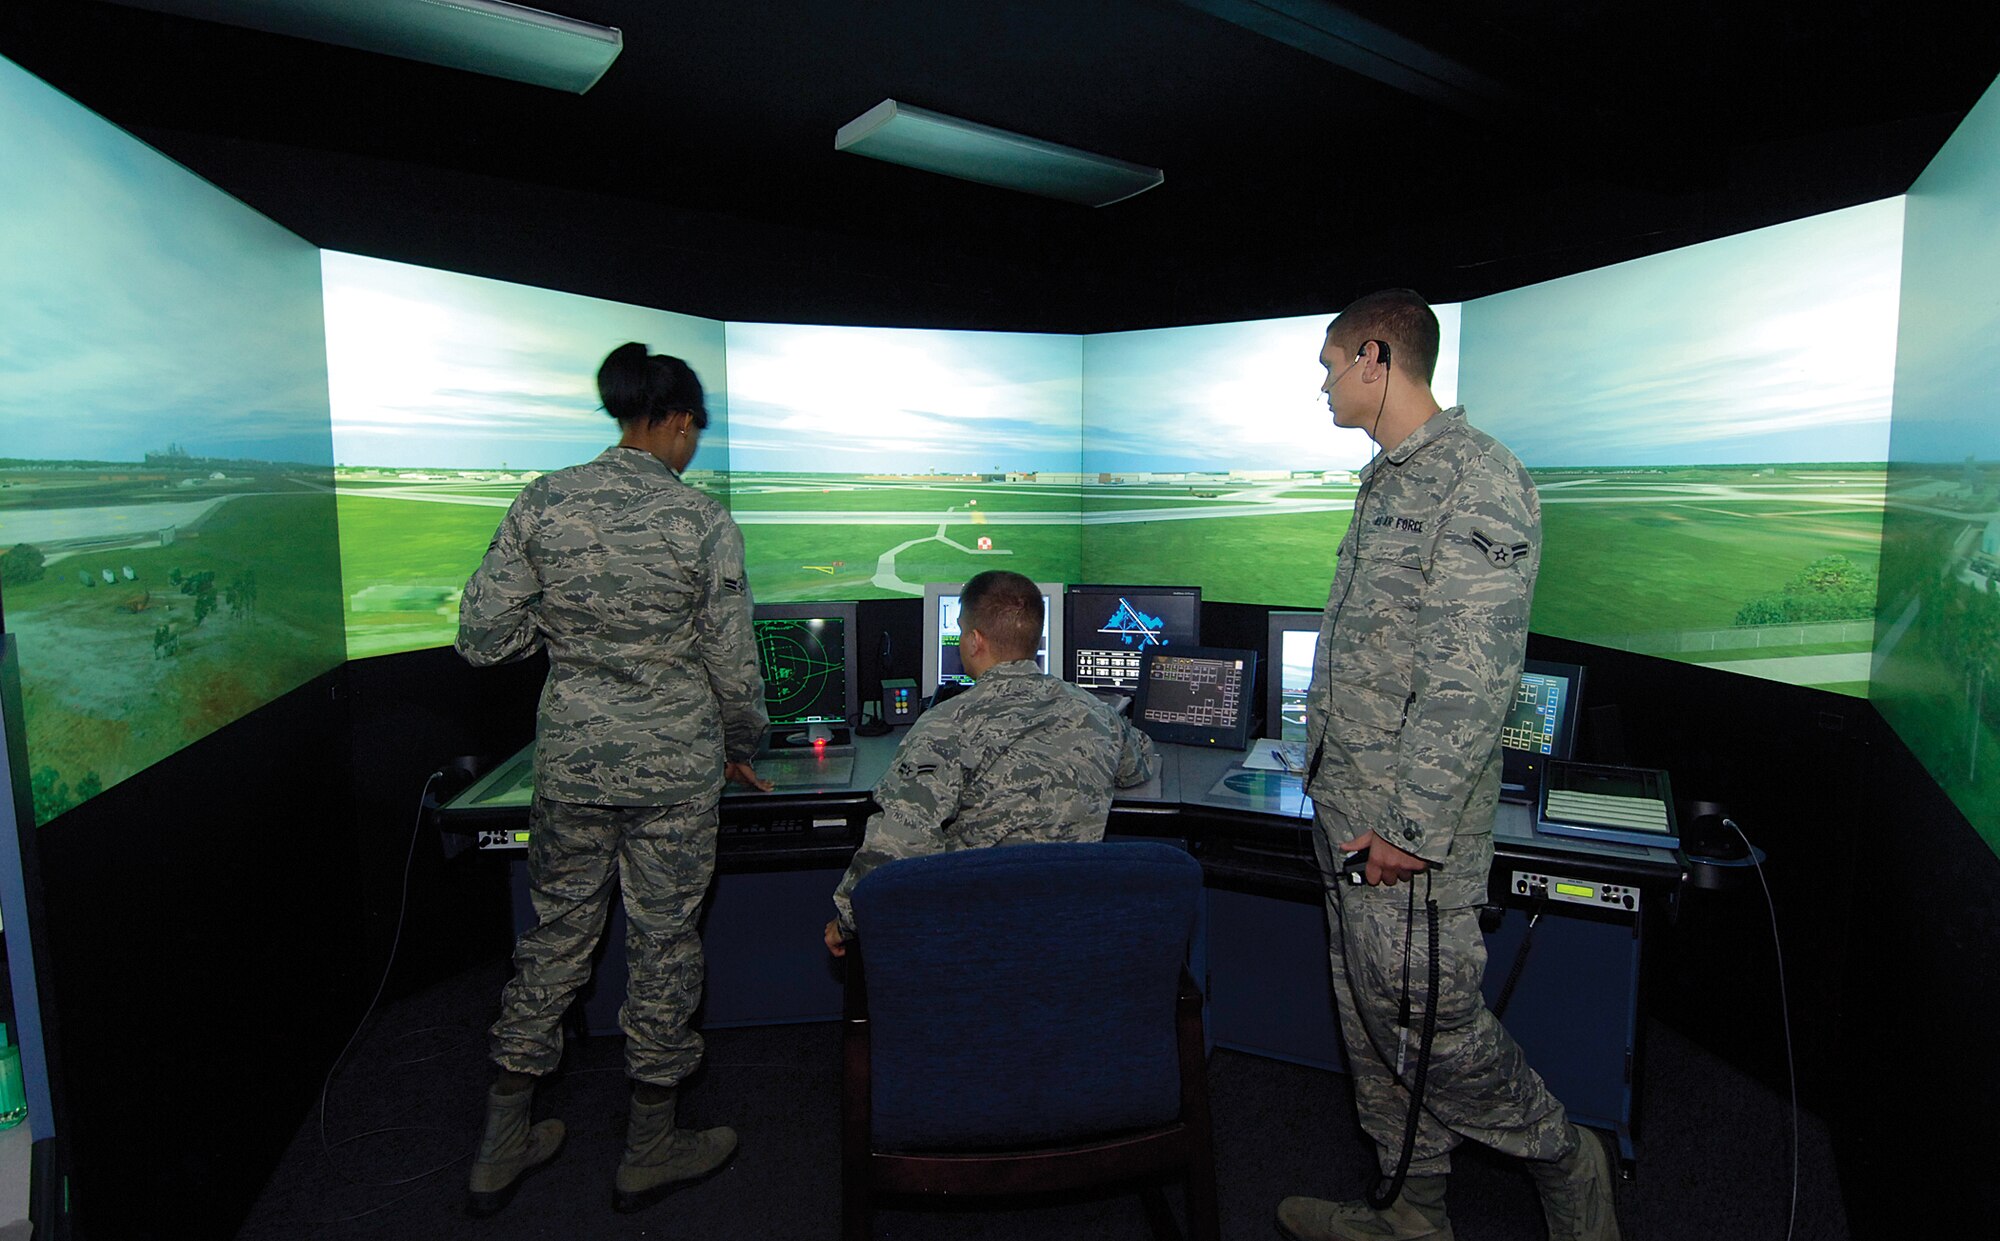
802,666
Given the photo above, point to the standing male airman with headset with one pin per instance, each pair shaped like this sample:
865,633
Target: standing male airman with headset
1419,655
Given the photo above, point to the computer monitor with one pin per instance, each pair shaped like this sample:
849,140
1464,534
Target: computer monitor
1196,695
1109,626
941,664
1540,725
805,652
1291,639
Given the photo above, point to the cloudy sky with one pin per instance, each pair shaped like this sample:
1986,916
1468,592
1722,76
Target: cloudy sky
1773,345
1223,395
1948,358
140,304
433,368
849,400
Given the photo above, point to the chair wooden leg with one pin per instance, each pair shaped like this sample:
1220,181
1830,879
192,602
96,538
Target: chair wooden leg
1204,1221
1159,1216
855,1210
857,1187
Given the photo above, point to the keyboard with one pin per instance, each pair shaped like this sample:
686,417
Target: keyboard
1119,702
805,770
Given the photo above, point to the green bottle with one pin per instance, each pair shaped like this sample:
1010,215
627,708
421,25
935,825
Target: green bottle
13,1096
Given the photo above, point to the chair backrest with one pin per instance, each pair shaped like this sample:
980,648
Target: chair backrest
1024,994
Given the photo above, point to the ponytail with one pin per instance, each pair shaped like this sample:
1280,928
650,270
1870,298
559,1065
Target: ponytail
636,385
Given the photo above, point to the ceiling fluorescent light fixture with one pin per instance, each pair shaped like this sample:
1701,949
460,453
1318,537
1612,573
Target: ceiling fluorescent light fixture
483,36
934,142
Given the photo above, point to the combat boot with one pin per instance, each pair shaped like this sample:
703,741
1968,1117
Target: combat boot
1417,1214
1577,1193
660,1159
509,1150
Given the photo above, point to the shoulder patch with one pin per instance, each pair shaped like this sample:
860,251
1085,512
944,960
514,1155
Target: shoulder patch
1501,554
911,770
734,585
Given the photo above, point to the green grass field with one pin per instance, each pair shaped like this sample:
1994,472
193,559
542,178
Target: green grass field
1924,693
1640,567
402,565
800,562
1926,702
101,706
1285,560
1626,551
900,497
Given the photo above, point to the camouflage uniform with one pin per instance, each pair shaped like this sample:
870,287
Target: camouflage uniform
1018,758
634,583
1420,652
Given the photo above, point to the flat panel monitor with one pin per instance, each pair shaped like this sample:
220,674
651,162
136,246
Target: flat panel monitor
941,663
1109,627
806,654
1291,641
1197,695
1540,725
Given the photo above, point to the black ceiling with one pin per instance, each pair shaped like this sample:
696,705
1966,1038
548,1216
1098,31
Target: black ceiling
1566,134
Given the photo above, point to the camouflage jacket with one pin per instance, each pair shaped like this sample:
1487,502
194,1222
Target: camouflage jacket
1020,757
634,583
1421,646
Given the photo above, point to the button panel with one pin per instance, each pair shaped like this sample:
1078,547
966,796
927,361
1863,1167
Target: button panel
1575,891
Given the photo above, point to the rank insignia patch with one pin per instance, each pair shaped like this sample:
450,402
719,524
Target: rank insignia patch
1501,554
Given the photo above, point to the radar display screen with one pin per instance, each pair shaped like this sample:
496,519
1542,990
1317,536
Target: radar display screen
804,664
1110,627
1196,696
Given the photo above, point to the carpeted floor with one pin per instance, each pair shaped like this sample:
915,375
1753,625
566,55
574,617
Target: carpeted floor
402,1117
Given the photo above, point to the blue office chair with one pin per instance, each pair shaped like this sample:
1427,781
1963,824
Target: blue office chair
1026,1024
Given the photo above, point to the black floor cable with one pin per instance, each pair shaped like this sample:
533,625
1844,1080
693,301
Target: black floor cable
1383,1196
1785,1012
327,1148
1506,995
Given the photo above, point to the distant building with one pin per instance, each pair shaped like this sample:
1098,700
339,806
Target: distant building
1259,476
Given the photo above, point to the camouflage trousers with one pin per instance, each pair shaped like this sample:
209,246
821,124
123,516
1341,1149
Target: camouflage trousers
1479,1085
663,857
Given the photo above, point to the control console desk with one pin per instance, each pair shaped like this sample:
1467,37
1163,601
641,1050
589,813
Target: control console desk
1574,1008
